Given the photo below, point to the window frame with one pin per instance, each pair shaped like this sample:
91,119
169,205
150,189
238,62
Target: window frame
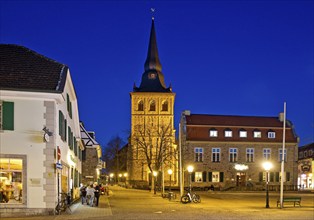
152,106
198,177
233,155
241,132
213,133
266,154
215,155
257,134
228,133
271,134
198,154
280,155
249,155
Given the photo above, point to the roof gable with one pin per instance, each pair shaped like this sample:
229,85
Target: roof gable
24,69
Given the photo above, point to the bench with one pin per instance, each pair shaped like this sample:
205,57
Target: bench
295,200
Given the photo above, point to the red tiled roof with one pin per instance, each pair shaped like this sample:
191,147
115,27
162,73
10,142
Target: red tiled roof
230,120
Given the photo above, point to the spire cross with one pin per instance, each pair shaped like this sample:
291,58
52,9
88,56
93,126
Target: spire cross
153,12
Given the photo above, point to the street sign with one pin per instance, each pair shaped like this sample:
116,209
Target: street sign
58,165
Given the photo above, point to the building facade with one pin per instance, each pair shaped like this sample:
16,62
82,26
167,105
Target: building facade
305,167
39,133
92,163
227,152
152,123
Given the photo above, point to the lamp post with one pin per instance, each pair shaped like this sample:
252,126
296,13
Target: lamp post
190,170
125,176
155,177
267,166
170,173
111,178
120,175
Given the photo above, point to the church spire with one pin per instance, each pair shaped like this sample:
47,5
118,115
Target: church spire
152,78
152,61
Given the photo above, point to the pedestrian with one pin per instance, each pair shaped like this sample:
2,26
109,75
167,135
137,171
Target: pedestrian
83,193
90,193
97,192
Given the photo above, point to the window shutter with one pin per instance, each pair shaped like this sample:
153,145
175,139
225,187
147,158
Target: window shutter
193,177
221,177
65,130
210,177
277,177
204,176
60,124
8,116
260,176
271,175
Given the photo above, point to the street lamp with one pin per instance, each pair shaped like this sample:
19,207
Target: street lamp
155,175
190,170
267,166
170,173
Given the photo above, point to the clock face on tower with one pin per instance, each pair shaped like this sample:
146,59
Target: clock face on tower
152,76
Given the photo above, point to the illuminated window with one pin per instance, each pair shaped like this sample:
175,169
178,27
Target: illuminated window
216,155
249,154
140,106
213,133
266,153
215,177
243,133
233,155
257,134
228,133
11,180
198,154
198,177
152,106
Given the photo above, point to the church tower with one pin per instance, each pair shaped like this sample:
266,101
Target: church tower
152,140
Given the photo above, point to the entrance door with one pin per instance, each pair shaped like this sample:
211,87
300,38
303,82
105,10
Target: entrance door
241,179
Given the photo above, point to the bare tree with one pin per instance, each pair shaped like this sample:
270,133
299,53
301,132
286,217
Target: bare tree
155,145
112,154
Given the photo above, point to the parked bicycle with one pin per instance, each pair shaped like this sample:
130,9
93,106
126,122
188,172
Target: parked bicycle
189,197
63,204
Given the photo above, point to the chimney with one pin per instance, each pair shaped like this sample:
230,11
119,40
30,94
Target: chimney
281,116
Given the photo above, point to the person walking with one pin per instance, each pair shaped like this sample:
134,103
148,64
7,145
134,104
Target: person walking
97,192
83,193
90,193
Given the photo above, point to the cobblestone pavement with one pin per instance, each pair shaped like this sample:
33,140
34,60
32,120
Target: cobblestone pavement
138,204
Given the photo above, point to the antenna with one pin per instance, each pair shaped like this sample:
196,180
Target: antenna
152,10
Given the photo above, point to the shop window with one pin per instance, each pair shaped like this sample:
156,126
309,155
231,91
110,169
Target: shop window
11,180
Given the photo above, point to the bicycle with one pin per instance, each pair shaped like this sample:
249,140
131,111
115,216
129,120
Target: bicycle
63,204
189,198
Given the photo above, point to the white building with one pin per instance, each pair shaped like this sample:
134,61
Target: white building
40,147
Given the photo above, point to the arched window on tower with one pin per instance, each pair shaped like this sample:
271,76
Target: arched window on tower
164,106
152,106
140,106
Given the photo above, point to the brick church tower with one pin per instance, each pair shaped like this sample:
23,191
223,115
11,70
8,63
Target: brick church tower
152,140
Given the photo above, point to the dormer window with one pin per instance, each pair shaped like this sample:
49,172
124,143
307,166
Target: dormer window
213,132
164,106
271,134
152,106
257,134
140,106
228,133
242,133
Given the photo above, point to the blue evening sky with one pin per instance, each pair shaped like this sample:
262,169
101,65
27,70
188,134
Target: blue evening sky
221,57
